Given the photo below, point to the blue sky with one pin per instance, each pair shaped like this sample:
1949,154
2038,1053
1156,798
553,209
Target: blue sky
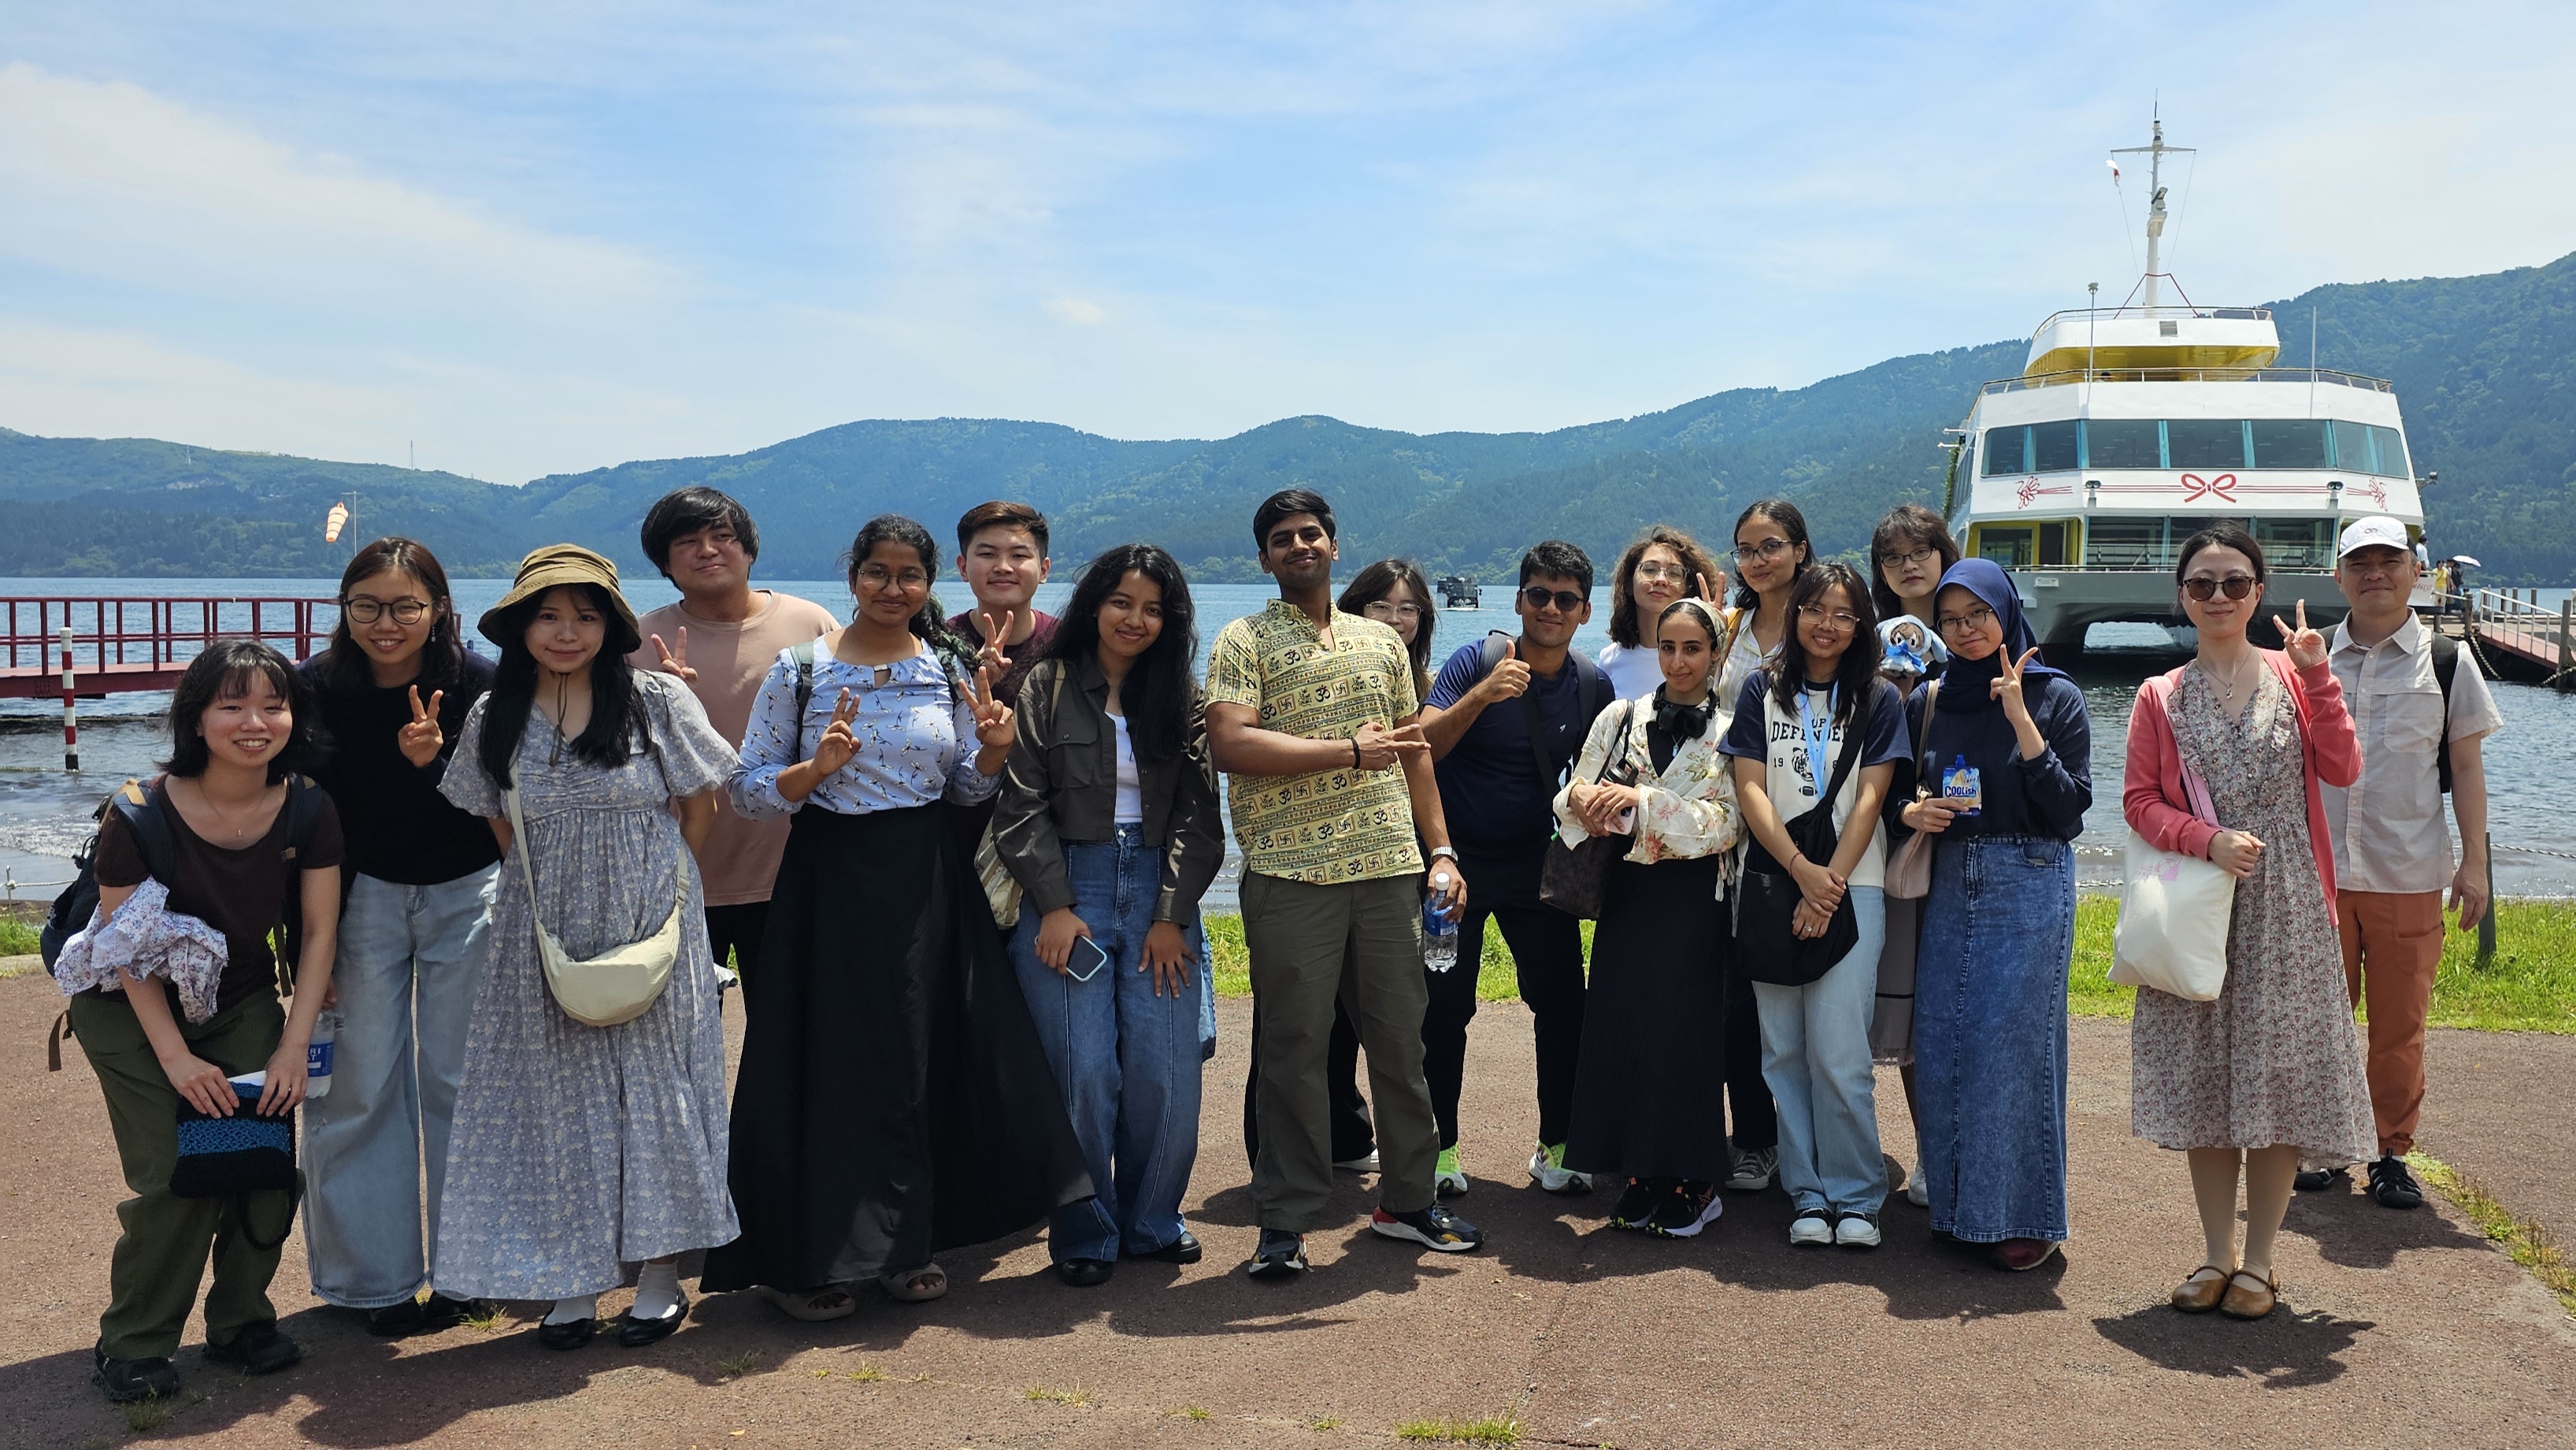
545,238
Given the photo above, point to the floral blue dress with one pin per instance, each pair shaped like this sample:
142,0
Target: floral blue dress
579,1151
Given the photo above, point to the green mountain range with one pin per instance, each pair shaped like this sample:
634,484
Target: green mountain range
2485,368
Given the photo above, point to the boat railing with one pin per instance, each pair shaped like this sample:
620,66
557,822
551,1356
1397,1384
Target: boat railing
2155,314
2327,376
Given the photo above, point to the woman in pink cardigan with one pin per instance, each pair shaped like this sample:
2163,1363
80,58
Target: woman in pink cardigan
2272,1069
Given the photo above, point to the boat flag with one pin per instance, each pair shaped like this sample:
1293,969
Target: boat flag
2115,169
339,515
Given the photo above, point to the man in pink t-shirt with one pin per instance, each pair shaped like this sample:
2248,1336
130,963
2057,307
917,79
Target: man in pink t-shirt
721,638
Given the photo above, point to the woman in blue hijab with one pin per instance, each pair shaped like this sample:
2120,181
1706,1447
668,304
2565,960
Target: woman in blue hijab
2007,774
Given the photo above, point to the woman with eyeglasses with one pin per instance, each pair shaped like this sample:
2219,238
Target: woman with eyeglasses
2226,755
1394,593
1662,566
391,692
2007,777
1794,723
894,1097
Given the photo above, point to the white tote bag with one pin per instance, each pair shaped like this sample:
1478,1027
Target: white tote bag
2174,911
617,985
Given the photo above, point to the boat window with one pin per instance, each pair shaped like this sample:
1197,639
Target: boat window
2296,543
2351,446
2388,453
2007,450
2123,443
2289,443
2205,442
2053,447
2008,546
2118,543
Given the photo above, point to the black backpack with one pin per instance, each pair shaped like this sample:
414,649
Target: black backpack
2446,663
1591,697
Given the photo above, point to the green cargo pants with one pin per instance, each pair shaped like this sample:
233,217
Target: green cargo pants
161,1257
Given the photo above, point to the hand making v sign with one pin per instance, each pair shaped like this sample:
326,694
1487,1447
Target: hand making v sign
421,740
2307,648
676,661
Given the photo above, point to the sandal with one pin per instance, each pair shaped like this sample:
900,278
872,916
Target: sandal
2196,1295
915,1286
814,1306
2243,1303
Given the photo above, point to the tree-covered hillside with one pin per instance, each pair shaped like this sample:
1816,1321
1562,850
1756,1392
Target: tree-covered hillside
2485,367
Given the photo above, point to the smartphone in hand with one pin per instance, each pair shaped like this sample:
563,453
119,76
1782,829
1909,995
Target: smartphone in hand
1086,961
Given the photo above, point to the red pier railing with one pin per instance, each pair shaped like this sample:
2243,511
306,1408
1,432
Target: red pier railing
140,643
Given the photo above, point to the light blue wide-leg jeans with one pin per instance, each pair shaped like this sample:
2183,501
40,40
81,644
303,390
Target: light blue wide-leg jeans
1816,1058
410,961
1127,1058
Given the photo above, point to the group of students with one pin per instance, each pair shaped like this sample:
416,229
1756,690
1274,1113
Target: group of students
957,864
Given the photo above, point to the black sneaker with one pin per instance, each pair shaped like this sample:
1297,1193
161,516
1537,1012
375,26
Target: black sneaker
1182,1250
126,1380
393,1321
1281,1255
1637,1202
2391,1186
1435,1228
2318,1180
1686,1209
443,1312
260,1349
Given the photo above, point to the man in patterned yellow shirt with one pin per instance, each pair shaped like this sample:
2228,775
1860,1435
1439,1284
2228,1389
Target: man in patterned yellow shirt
1312,713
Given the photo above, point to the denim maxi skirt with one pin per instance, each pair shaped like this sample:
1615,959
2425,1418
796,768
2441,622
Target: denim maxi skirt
1990,1036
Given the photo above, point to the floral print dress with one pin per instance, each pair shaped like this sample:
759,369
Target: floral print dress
579,1151
2275,1059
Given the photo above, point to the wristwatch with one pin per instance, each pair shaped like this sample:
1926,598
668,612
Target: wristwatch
1437,852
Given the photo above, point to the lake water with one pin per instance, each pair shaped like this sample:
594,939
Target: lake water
44,811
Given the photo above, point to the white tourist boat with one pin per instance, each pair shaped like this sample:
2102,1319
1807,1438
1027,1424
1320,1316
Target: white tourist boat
2132,426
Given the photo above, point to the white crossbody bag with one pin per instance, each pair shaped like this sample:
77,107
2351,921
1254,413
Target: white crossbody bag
2174,912
616,986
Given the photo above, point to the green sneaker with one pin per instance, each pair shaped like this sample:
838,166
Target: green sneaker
1448,1180
1547,1169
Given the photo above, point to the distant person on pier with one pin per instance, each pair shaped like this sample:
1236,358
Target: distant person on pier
2422,712
721,638
1002,556
1663,565
1312,712
392,692
1505,719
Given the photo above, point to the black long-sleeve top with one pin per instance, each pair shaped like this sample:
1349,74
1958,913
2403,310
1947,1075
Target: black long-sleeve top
2043,797
398,827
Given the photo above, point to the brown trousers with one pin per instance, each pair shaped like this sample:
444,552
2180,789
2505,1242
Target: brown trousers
2392,946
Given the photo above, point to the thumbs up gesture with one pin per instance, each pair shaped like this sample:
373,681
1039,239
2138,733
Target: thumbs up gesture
1511,677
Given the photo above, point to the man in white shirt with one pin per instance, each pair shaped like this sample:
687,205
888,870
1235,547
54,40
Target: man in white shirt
2392,849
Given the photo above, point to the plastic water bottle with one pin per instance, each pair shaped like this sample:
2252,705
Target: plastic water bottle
317,1055
1439,933
1960,786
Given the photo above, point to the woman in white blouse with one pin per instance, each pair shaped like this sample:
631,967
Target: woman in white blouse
1647,1110
890,1053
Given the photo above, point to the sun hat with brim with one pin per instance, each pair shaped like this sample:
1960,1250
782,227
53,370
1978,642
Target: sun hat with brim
552,567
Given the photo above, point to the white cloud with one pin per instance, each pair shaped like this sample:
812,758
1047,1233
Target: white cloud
1077,311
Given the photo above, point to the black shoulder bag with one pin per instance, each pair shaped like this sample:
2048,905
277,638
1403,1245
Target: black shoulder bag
1767,946
1575,878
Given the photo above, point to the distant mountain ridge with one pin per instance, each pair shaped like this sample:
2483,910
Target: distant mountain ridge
2485,368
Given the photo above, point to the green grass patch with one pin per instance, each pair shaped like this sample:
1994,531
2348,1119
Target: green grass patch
1077,1397
1496,981
1499,1430
17,938
2522,1239
2529,986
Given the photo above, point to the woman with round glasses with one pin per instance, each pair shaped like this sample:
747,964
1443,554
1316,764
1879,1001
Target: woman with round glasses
2225,758
392,692
1662,567
894,1098
2007,776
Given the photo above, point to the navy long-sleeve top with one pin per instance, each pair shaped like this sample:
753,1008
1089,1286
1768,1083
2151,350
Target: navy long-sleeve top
2043,797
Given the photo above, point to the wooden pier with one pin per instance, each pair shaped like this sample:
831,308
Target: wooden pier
2517,637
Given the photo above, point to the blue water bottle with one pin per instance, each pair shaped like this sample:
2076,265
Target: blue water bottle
1439,933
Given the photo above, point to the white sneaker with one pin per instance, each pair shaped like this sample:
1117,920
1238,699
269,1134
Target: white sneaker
1547,1169
1917,1192
1364,1164
1810,1230
1856,1231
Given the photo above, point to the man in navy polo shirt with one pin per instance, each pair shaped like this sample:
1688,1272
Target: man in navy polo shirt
1505,718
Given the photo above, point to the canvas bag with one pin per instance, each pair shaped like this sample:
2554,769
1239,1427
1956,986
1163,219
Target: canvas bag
1576,878
616,986
2174,909
1909,872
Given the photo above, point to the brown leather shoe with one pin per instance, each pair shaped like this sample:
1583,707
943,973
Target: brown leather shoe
2248,1297
2196,1295
2022,1255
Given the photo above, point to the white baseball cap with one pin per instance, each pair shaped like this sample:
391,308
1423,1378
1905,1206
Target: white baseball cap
2379,531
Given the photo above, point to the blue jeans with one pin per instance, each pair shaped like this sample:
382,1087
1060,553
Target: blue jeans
410,961
1990,1037
1127,1058
1816,1058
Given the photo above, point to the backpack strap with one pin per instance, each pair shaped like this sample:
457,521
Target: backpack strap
1591,691
2446,665
142,809
803,655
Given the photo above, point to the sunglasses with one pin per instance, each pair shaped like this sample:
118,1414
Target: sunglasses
1540,596
2236,585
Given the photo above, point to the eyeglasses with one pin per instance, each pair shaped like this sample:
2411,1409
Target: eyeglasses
1977,618
1766,551
2237,586
1914,560
1387,611
877,576
1817,614
1538,596
362,610
1675,572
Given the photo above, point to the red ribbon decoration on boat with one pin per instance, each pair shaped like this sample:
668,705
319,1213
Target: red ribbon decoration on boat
2194,487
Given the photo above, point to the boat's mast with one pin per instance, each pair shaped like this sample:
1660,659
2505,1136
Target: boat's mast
2155,151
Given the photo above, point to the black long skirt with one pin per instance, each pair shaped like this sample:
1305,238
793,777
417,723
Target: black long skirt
893,1098
1647,1089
